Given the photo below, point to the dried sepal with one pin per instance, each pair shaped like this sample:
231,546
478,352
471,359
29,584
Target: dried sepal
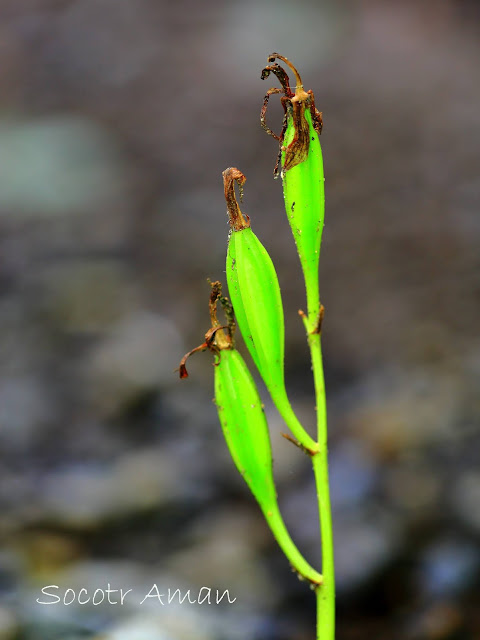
219,337
295,104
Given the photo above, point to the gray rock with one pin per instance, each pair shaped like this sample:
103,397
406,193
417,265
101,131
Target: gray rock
86,495
465,498
225,552
9,626
447,567
86,296
139,355
365,540
25,408
56,166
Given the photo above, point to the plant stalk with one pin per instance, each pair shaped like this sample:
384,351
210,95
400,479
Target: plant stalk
325,593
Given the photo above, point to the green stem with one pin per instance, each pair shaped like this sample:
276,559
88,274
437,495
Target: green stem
284,407
296,559
326,591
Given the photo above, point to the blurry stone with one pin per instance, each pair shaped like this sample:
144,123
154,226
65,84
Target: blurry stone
191,402
107,25
429,344
448,566
138,356
56,166
85,496
46,553
225,552
184,625
184,622
405,411
465,498
353,474
55,623
441,621
86,296
472,362
139,627
254,32
23,342
413,487
366,540
17,497
9,626
12,566
25,407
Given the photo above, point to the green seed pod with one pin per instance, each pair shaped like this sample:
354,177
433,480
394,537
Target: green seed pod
254,290
302,176
246,433
244,425
245,429
257,302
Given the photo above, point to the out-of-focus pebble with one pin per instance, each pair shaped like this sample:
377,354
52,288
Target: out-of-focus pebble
139,355
447,567
86,495
9,626
465,498
56,166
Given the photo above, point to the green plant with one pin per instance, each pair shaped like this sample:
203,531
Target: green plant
257,303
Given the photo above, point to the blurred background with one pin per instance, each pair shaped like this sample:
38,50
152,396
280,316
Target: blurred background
117,118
